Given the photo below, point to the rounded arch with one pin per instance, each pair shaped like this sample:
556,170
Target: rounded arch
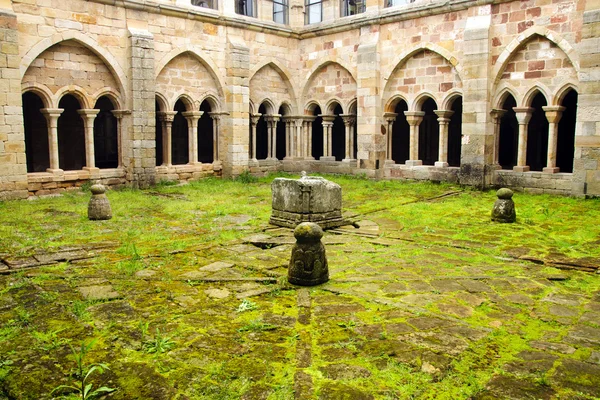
269,106
76,91
449,99
421,98
42,91
287,107
282,71
187,101
213,100
531,93
561,92
393,101
405,55
105,55
195,51
315,70
112,96
504,90
523,38
162,101
352,106
332,104
310,107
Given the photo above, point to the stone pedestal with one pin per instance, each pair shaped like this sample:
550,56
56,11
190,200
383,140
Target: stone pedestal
99,206
504,207
308,265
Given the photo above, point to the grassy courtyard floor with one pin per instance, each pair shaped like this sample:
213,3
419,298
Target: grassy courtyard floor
183,296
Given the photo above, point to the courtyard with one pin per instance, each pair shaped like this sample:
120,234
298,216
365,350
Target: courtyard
183,295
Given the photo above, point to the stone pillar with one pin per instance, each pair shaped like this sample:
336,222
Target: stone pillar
389,118
414,119
254,120
167,118
52,115
289,137
139,144
13,164
327,128
119,116
349,120
497,115
272,139
444,121
192,118
523,116
216,118
553,115
88,117
307,148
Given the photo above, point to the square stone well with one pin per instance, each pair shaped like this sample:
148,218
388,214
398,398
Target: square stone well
308,199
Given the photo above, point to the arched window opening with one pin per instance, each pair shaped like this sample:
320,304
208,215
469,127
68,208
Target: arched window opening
537,135
262,135
205,134
429,133
400,134
509,135
159,134
179,135
455,134
36,134
71,135
281,136
566,133
338,135
317,134
106,148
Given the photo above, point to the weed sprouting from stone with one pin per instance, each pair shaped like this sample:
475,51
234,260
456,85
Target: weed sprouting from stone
49,340
158,344
257,326
246,305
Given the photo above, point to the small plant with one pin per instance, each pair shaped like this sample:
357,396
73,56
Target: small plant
4,368
349,325
143,326
257,326
159,344
49,340
246,305
23,317
350,344
79,308
246,177
82,373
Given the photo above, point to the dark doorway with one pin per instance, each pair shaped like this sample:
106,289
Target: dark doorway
281,139
455,133
262,135
36,134
205,134
71,135
400,134
509,135
566,133
106,145
338,135
179,136
159,134
429,134
537,135
317,134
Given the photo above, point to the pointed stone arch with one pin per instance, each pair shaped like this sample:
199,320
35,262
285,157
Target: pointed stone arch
269,80
333,80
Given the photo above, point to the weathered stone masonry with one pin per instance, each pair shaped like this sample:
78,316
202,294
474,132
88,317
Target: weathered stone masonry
132,92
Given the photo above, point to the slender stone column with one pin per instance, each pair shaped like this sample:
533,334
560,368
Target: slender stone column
349,120
119,116
553,115
88,117
414,119
254,121
167,118
389,118
272,121
327,128
497,115
523,116
444,121
299,139
192,118
216,118
308,137
52,115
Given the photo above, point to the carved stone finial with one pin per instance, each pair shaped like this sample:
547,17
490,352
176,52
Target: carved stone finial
504,207
308,265
99,206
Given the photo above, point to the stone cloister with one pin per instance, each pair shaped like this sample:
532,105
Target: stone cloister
482,93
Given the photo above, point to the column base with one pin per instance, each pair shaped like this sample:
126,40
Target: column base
413,163
389,162
349,160
441,164
253,162
550,170
521,168
309,158
327,158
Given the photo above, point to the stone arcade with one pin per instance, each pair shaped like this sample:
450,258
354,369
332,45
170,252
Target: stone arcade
131,92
